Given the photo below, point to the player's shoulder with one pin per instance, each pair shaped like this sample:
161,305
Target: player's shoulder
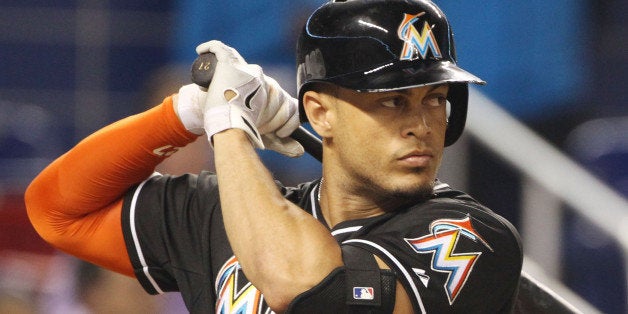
204,186
452,223
441,245
160,187
448,210
450,247
300,194
446,199
449,202
202,180
207,178
444,193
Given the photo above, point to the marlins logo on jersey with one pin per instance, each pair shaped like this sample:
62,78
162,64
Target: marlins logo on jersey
441,243
235,294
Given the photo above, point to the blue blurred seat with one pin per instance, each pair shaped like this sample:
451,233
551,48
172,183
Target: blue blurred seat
594,265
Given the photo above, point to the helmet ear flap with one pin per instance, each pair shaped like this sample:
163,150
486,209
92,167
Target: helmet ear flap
458,97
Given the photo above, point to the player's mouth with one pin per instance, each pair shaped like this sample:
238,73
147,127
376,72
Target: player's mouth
416,159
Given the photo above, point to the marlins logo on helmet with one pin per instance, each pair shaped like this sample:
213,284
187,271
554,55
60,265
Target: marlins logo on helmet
417,43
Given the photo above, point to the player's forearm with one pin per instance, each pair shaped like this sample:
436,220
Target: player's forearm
99,169
76,201
283,250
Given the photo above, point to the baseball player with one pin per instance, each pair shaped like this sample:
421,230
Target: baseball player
377,233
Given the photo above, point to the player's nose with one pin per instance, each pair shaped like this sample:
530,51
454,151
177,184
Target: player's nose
415,122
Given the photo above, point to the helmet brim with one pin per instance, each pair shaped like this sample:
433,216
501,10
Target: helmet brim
404,75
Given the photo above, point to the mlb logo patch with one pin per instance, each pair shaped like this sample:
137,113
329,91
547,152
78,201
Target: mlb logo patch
363,293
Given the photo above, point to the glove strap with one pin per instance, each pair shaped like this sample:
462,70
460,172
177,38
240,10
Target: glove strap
220,118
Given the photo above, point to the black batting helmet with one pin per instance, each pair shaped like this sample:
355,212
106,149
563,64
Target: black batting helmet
383,45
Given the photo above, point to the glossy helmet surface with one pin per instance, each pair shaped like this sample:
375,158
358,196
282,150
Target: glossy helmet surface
383,45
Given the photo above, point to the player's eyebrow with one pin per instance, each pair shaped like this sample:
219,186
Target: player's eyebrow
432,88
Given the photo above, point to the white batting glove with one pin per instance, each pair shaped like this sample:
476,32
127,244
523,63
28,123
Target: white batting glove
189,107
259,106
279,140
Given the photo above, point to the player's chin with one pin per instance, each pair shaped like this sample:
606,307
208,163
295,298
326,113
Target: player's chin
416,179
412,191
415,192
401,198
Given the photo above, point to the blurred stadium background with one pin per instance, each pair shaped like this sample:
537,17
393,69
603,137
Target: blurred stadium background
556,70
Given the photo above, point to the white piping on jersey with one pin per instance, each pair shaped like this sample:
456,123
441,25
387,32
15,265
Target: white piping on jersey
313,200
399,266
441,186
345,230
136,241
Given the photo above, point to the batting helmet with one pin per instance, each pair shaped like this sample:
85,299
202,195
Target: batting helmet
383,45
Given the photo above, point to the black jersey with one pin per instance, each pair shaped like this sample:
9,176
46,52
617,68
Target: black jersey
450,253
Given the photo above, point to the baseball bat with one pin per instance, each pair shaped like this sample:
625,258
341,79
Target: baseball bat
202,74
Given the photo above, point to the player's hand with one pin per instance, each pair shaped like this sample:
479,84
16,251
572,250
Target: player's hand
241,96
279,140
188,106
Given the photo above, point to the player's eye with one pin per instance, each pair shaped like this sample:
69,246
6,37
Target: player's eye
435,100
392,102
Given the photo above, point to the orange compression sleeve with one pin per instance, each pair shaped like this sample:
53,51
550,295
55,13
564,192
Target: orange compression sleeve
76,202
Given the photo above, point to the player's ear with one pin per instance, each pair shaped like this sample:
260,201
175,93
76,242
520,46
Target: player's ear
317,108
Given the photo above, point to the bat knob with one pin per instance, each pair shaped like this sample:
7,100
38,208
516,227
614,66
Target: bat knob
203,69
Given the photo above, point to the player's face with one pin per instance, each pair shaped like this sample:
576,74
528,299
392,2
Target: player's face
390,143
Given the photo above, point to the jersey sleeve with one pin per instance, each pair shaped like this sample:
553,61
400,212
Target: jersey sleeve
449,256
168,223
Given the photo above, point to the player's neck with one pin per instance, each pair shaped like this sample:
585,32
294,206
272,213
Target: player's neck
339,203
